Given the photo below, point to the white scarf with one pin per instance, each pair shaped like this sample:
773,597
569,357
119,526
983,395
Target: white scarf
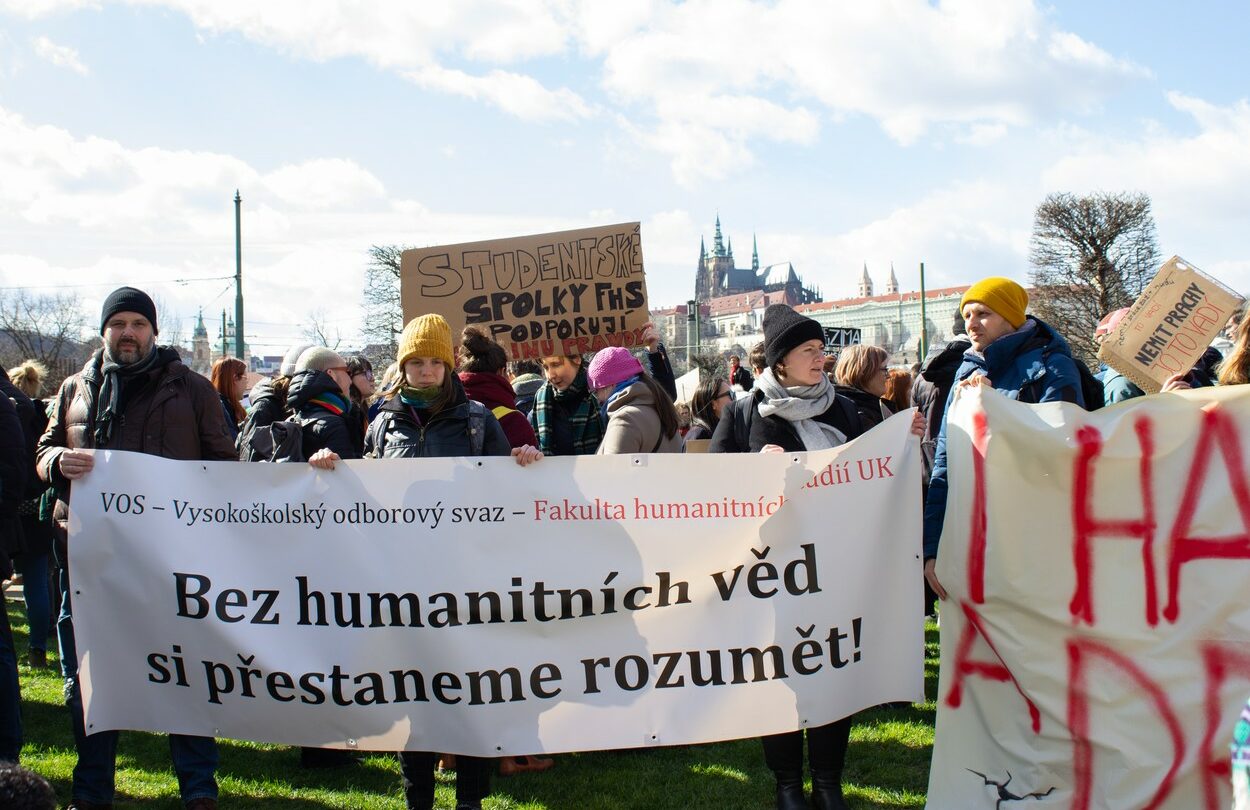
799,406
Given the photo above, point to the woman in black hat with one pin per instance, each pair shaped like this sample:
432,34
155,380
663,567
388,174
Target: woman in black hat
794,408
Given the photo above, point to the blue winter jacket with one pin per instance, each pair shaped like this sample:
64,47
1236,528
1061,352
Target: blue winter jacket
1032,364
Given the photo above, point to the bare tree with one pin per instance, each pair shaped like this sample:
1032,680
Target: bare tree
319,331
382,306
1090,255
47,327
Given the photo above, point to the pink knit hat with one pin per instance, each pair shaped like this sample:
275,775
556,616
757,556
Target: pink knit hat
611,366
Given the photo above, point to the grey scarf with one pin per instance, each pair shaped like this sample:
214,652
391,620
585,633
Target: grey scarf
108,400
799,406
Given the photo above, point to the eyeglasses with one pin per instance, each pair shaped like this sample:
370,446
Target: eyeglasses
368,375
725,394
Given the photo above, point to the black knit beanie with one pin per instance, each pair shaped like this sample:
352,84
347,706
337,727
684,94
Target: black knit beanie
128,299
784,329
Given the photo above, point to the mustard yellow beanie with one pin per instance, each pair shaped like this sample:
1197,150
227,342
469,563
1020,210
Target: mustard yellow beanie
1002,295
426,336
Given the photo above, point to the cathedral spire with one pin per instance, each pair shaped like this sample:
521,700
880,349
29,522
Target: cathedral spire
865,283
891,286
718,243
730,249
755,253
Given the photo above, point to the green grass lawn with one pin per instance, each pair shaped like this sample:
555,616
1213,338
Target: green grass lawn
887,766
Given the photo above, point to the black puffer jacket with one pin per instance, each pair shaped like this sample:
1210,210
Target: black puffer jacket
267,405
322,427
396,433
930,390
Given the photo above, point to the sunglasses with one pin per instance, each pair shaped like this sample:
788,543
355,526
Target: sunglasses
725,394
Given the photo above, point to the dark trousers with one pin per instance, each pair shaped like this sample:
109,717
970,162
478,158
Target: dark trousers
10,692
472,779
826,749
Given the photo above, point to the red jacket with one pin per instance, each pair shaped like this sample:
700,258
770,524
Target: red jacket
495,392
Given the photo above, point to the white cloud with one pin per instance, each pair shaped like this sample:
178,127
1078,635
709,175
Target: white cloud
1197,181
59,55
703,81
514,93
981,64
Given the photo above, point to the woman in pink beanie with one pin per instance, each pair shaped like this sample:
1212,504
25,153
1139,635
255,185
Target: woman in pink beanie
640,415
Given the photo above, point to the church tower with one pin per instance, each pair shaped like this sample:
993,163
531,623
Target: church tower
865,284
891,286
201,352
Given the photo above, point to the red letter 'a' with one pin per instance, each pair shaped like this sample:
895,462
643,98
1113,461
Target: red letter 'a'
1086,527
993,670
1218,433
1078,719
1219,662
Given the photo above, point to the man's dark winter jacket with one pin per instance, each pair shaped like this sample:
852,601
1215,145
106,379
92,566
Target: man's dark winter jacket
170,412
322,427
397,433
1032,364
742,377
930,391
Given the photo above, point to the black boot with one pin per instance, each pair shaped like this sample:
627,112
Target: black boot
790,790
827,791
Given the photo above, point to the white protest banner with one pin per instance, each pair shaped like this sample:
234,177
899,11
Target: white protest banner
1096,638
477,607
1169,326
569,292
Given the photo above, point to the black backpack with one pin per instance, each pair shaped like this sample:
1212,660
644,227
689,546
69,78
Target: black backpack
1091,386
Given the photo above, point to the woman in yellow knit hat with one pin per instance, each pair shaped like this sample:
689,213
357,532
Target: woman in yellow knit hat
426,414
1017,354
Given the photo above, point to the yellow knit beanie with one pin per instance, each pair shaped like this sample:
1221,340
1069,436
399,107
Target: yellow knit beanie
1002,295
426,336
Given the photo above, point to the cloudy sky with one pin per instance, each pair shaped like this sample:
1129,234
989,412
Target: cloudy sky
838,133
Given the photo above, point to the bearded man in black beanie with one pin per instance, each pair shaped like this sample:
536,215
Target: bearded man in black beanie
131,395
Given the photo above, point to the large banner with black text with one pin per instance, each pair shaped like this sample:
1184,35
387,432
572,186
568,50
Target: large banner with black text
1096,638
473,606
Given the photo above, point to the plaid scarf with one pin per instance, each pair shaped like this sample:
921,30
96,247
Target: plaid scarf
586,421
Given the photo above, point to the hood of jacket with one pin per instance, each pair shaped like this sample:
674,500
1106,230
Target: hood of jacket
261,391
308,384
943,361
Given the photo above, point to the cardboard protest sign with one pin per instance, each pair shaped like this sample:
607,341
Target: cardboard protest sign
564,606
1096,631
567,293
1170,325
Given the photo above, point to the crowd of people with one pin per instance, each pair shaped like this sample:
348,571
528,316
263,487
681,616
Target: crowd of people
445,397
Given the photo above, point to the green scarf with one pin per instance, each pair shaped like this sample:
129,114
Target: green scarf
586,420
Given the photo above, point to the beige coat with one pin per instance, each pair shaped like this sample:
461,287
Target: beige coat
634,425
